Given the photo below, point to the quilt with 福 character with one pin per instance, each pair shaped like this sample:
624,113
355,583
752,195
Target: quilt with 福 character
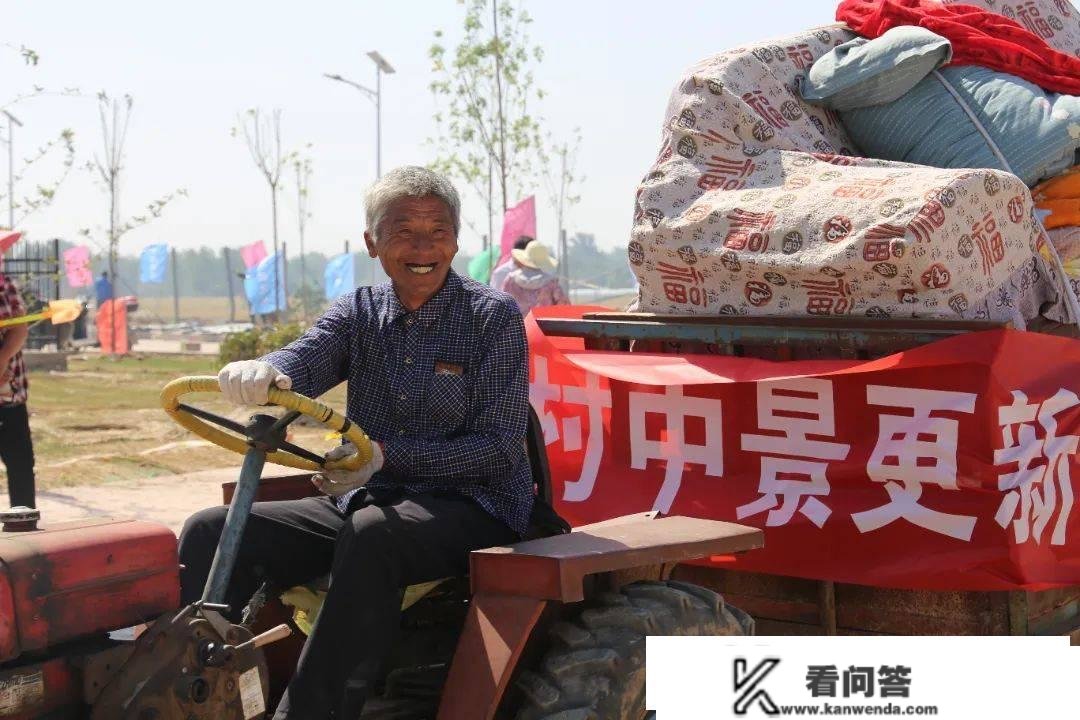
758,204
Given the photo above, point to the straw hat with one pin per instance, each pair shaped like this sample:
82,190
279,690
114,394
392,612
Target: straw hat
536,256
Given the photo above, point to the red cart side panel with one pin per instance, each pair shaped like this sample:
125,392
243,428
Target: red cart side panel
9,634
82,578
49,689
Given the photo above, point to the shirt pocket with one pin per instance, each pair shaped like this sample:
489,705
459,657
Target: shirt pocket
446,402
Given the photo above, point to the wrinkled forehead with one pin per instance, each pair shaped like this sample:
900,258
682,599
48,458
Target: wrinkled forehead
429,208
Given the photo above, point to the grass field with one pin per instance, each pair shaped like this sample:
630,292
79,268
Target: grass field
101,421
210,310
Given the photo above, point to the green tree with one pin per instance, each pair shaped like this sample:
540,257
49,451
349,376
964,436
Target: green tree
43,192
487,132
262,135
562,181
115,116
302,166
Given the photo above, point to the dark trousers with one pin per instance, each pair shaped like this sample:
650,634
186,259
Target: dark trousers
17,453
384,543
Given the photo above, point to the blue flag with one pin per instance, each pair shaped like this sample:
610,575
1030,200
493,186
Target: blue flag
153,263
339,276
259,285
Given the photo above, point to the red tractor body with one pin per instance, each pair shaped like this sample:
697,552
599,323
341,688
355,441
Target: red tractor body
63,583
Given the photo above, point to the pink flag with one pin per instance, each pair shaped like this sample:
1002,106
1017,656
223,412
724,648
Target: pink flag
519,220
253,254
77,266
7,239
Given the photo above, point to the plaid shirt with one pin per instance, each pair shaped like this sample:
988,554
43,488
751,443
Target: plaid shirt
11,305
444,388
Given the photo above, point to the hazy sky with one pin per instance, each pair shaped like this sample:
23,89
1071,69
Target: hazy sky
191,66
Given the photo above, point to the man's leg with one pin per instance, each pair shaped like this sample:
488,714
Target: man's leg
289,542
17,453
379,551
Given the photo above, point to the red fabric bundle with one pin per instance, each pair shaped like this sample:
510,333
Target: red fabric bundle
978,37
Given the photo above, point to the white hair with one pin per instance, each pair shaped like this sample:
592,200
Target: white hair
409,181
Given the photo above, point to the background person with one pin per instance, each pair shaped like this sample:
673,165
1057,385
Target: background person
16,448
532,282
500,273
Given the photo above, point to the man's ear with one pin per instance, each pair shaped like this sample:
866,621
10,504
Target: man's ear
370,242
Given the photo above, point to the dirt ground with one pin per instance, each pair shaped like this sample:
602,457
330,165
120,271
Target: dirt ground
102,422
168,500
104,446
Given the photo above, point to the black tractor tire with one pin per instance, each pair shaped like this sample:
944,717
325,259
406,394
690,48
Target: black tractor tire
594,664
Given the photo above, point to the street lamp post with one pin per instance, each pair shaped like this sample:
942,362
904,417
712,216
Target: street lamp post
12,122
381,66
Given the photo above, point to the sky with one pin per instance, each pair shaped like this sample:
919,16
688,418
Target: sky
191,67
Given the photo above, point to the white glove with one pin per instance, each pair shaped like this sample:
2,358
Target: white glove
339,482
247,382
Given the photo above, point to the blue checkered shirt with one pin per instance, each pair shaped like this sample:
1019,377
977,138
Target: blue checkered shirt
444,388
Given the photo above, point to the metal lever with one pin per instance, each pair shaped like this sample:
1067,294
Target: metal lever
272,635
213,655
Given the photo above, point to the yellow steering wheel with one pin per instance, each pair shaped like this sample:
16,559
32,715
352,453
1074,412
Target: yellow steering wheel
196,421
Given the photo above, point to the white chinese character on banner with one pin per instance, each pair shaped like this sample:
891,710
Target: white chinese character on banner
798,407
540,392
672,447
1037,488
913,450
595,399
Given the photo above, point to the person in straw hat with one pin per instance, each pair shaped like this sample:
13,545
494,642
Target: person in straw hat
532,282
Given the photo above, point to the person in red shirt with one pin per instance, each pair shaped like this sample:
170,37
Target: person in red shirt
16,448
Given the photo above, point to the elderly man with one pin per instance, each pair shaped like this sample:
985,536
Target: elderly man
437,376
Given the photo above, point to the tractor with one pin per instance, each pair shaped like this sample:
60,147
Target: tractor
550,627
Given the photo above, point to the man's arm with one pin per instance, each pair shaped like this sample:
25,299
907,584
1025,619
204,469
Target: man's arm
15,335
319,359
14,339
493,443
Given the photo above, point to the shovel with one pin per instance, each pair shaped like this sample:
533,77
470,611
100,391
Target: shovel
59,311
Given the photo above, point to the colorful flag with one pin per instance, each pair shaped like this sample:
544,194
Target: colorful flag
7,239
259,286
77,266
480,267
153,262
519,220
339,276
112,332
253,254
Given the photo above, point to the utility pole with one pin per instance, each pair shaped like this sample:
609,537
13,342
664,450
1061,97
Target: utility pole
12,122
228,284
284,282
564,264
381,66
175,289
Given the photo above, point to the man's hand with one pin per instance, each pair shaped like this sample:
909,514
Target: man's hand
339,482
247,382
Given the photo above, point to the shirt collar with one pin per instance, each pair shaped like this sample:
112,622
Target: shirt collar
429,312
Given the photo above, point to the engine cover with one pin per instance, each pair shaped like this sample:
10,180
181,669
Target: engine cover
78,579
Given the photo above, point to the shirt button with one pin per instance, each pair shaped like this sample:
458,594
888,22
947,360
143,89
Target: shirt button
401,396
401,431
408,321
408,361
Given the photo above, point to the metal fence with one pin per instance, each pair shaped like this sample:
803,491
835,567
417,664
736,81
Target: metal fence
35,268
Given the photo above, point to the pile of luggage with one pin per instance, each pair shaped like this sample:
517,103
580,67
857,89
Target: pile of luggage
884,174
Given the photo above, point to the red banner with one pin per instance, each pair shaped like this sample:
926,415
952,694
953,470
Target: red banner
945,467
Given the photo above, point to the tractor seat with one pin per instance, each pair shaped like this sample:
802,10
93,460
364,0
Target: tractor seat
543,522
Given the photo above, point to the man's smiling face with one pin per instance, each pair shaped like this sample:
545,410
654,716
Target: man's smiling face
416,243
